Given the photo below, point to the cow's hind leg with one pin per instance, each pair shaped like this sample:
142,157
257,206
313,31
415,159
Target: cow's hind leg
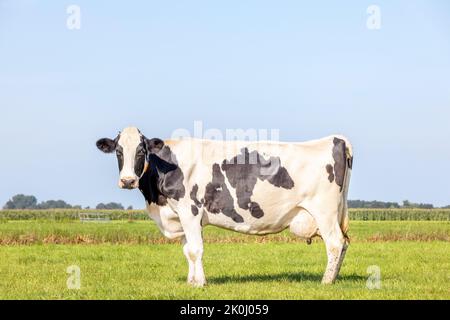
336,255
336,246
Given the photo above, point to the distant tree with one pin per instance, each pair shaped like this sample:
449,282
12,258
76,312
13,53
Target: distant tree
372,204
130,208
387,205
425,206
100,206
54,204
446,207
87,208
408,204
21,201
109,206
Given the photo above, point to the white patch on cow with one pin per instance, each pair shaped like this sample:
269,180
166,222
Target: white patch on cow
129,140
166,220
303,225
242,228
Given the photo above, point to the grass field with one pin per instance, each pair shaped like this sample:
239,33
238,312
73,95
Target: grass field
130,260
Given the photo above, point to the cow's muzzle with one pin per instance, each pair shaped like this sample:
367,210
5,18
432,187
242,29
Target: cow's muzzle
129,183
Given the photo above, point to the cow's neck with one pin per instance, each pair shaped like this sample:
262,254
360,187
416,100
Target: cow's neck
163,179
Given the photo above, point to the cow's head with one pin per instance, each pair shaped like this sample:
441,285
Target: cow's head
132,150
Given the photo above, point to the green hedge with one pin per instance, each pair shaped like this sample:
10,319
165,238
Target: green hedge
400,214
70,214
355,214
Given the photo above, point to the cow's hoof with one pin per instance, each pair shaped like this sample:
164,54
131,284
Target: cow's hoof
197,283
327,281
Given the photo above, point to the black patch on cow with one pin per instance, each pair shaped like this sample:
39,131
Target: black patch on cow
330,173
107,145
154,145
244,170
119,154
256,210
218,198
340,161
350,162
197,204
148,185
171,178
139,161
163,179
194,210
193,196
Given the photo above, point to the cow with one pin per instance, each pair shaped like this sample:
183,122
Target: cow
252,187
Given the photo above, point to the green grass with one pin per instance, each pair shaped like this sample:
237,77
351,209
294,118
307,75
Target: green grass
146,232
116,265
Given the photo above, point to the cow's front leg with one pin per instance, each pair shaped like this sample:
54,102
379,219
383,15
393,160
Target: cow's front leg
193,249
191,274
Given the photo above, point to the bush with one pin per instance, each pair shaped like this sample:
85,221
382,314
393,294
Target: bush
110,206
21,201
400,214
70,214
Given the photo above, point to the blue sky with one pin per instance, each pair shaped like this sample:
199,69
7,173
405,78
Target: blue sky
308,68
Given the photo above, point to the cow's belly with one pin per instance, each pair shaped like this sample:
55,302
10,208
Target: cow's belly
272,223
278,207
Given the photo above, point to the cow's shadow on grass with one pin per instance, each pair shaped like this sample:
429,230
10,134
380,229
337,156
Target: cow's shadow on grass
277,277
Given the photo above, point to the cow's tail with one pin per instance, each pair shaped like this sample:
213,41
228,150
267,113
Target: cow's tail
344,218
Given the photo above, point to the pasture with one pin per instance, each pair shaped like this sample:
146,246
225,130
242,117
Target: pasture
130,260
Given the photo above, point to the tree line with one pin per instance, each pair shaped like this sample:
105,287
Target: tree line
21,201
362,204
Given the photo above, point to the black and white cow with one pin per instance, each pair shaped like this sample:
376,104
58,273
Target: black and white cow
249,187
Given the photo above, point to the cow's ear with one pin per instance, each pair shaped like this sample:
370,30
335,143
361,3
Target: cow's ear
106,145
154,145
